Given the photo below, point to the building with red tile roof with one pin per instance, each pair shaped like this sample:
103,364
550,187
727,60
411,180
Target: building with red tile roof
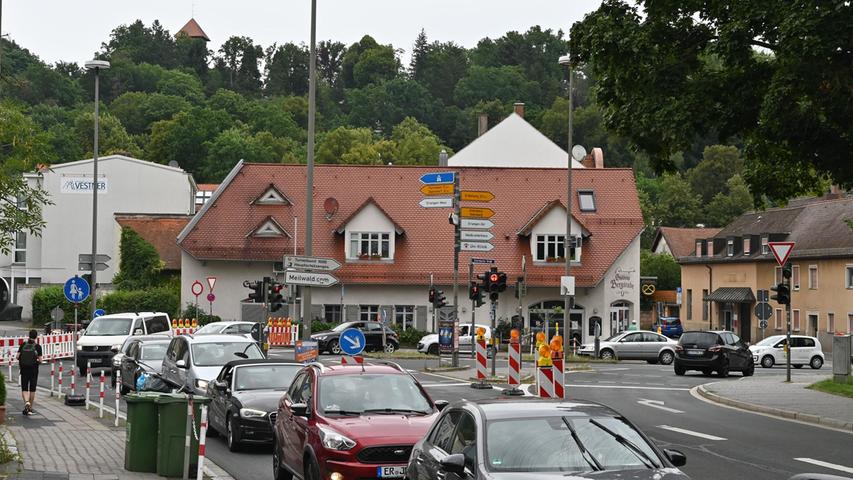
160,230
193,30
680,242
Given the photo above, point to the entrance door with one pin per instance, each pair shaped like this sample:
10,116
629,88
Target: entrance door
727,318
812,325
745,322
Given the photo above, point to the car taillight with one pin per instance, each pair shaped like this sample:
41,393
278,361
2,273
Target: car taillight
679,348
715,348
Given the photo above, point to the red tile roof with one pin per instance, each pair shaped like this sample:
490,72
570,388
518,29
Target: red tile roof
160,231
219,232
682,241
193,30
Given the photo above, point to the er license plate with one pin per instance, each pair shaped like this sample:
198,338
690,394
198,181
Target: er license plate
390,472
695,352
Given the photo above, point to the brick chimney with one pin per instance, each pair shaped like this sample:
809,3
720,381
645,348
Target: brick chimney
482,124
518,108
594,159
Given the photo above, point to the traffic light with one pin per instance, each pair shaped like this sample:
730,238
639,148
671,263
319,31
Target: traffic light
432,296
440,301
274,295
501,281
786,271
257,288
520,287
494,280
484,281
783,294
474,291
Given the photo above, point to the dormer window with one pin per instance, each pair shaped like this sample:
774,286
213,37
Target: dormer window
765,248
272,196
730,247
699,248
370,245
711,247
551,248
269,228
746,246
586,200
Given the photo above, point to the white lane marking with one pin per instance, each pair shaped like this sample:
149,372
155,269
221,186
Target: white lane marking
691,432
674,389
428,385
657,404
820,463
610,369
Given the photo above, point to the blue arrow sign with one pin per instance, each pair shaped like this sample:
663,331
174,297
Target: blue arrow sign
99,313
76,289
436,178
352,341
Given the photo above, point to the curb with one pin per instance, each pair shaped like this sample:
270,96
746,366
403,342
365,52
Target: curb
776,412
16,466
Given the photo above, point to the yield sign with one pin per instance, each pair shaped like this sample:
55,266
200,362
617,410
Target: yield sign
211,281
781,250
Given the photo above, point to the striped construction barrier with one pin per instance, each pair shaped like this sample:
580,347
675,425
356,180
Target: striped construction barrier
545,380
513,377
53,346
282,332
559,376
481,356
352,360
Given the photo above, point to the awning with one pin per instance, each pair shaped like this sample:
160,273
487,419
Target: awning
731,295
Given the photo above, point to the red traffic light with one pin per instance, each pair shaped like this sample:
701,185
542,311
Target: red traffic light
277,287
493,278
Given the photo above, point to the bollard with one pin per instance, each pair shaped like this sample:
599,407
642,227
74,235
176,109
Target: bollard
118,393
88,381
188,431
202,434
73,381
52,376
9,361
101,396
60,380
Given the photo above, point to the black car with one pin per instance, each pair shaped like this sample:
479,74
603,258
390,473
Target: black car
142,354
713,351
535,439
329,341
244,394
119,353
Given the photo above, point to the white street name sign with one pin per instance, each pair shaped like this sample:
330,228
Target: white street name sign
476,246
477,223
476,235
309,279
311,263
436,202
567,285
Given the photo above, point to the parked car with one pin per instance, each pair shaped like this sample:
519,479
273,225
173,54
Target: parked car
108,332
226,328
329,341
712,351
429,343
357,421
804,351
243,396
195,361
669,326
141,354
634,345
535,439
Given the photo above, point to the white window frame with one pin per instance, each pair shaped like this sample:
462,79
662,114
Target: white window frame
813,285
590,195
830,322
19,255
556,241
765,247
404,315
730,247
747,245
711,248
795,320
778,320
372,311
848,276
699,249
372,240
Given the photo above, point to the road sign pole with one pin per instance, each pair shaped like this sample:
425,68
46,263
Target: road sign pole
473,308
788,335
456,246
494,336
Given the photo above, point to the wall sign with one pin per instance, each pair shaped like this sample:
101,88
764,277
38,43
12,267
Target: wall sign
623,281
82,185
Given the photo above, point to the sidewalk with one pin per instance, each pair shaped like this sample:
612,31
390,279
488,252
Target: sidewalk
67,443
771,395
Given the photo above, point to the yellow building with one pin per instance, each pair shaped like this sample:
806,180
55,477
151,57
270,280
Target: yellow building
721,277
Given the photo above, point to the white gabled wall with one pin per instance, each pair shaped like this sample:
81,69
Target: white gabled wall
554,223
370,219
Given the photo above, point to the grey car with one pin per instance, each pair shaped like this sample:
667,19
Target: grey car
634,345
194,361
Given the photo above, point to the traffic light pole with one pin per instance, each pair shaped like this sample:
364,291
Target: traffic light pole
494,309
456,247
473,308
788,334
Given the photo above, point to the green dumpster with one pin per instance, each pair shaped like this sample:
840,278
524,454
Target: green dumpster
140,448
172,420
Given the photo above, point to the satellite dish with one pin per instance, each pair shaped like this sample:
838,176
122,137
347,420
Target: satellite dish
330,206
173,164
578,152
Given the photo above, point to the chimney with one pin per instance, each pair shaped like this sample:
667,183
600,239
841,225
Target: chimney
442,158
588,161
482,124
518,108
598,156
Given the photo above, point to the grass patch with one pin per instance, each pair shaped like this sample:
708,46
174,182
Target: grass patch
830,386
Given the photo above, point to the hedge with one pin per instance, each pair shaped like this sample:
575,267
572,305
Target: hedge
159,299
46,298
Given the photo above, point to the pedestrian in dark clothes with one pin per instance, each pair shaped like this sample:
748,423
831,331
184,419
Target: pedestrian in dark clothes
29,358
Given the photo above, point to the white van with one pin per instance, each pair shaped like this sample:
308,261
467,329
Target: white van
110,331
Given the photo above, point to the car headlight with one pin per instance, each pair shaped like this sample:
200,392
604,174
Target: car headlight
202,384
251,413
115,347
321,337
79,347
116,361
334,440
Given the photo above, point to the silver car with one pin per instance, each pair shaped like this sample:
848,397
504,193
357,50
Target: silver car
634,345
195,361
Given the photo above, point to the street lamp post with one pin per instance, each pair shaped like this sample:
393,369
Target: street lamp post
567,244
309,189
97,66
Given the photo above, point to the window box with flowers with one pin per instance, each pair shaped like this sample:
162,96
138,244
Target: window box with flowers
555,259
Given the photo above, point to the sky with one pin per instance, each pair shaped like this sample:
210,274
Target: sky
73,30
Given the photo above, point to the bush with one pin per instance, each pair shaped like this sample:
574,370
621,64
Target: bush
2,389
410,337
46,298
317,326
140,264
160,299
200,315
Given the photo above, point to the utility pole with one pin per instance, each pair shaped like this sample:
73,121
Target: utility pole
456,245
309,190
567,244
473,308
788,330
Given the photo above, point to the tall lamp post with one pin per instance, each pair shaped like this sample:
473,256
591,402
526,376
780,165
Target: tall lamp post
97,66
309,189
567,244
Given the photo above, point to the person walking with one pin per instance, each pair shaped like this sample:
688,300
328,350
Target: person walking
29,358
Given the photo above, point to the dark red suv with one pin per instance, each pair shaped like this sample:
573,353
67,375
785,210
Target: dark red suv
349,422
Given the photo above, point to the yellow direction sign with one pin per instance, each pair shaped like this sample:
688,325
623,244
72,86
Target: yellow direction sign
468,212
477,196
440,189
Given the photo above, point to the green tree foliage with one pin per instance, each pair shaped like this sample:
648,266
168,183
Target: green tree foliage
181,84
183,138
137,111
235,144
729,204
286,70
238,60
381,106
140,44
23,143
344,145
415,144
20,209
139,265
157,299
506,84
676,204
674,71
113,138
438,67
46,299
368,62
662,266
719,164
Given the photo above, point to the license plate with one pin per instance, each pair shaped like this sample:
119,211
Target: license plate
696,352
390,472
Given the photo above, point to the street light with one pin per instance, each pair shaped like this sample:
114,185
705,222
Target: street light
97,66
567,244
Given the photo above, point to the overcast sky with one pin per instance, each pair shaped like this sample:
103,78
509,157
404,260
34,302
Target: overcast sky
72,30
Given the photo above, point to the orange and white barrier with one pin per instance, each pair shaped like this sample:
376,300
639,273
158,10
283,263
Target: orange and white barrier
53,346
353,360
100,395
184,326
482,354
282,332
559,377
545,379
202,437
514,373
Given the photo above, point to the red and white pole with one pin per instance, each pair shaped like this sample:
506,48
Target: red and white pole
118,393
52,376
73,382
545,378
88,381
481,354
60,379
559,377
101,396
202,434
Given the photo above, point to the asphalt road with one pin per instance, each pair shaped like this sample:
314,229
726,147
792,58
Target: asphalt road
719,442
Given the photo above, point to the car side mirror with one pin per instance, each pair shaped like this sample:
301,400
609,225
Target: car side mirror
220,385
441,404
114,350
181,364
299,409
138,331
677,458
455,464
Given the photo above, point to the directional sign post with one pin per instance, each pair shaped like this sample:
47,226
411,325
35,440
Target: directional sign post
470,212
477,235
439,189
311,263
440,177
473,223
310,279
352,341
476,196
99,313
436,202
483,261
477,246
84,262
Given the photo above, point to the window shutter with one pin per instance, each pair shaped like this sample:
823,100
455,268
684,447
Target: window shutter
421,317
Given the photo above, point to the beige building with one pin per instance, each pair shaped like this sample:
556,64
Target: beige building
721,278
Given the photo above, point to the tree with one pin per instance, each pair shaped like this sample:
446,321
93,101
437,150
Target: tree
112,138
137,111
676,204
192,53
335,144
506,84
719,164
40,84
415,144
384,105
775,74
239,59
23,144
329,61
20,209
439,67
662,266
368,62
236,143
181,84
139,265
183,137
286,70
730,204
140,44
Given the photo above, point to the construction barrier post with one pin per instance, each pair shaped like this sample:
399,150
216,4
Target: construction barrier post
101,395
88,381
545,378
52,376
73,382
118,393
60,380
481,354
202,434
514,366
559,377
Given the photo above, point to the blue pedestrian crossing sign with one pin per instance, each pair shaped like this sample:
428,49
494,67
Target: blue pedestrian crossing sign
437,178
76,289
98,313
352,341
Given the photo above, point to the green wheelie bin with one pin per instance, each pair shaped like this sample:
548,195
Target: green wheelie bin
140,448
172,420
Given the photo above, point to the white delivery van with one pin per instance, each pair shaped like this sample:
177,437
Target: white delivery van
108,332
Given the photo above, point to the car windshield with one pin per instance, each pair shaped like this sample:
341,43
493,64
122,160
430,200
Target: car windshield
372,393
109,326
547,444
769,341
344,326
210,328
700,339
154,351
613,337
210,354
264,377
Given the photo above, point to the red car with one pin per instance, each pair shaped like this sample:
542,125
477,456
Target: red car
350,422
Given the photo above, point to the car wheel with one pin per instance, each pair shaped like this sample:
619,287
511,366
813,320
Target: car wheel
816,362
122,389
749,370
278,471
679,370
707,372
390,347
312,470
768,361
335,347
433,349
606,354
666,357
231,437
723,371
798,366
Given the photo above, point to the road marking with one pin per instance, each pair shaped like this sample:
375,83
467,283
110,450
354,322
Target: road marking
428,385
691,432
657,404
673,389
820,463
